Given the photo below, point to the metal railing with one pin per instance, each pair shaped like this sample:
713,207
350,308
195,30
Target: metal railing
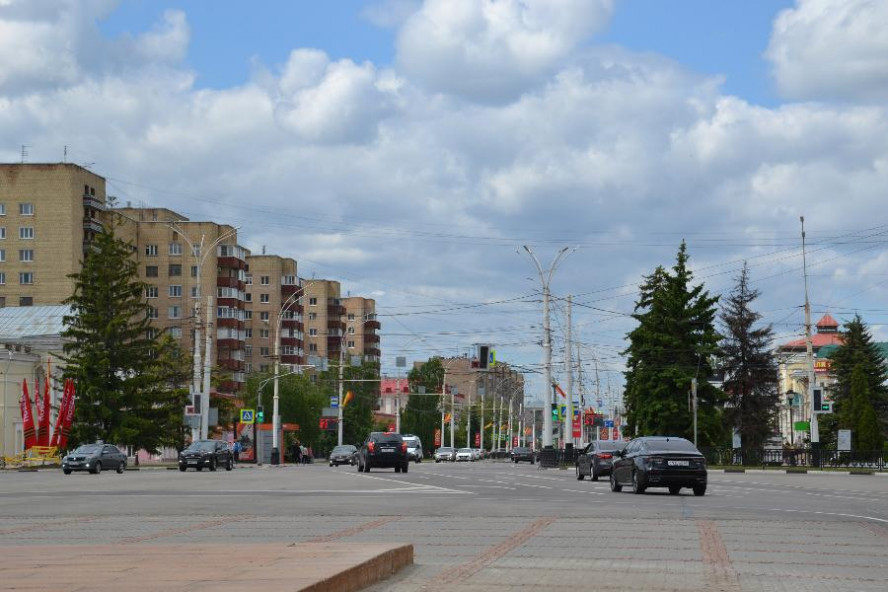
796,457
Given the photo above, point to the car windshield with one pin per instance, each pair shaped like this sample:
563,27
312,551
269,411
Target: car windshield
671,445
609,446
344,449
207,446
445,449
467,450
88,448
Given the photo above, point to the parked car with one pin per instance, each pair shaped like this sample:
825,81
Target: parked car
94,458
522,453
479,454
414,447
383,450
445,453
597,458
343,455
465,455
206,453
659,462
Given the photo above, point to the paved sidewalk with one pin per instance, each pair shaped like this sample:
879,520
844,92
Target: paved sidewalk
269,567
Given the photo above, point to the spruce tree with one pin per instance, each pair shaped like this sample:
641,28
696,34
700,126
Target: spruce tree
750,382
674,343
112,353
860,416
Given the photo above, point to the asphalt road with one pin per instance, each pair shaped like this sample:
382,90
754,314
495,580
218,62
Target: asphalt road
488,525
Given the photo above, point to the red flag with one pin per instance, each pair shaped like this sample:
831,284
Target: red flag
560,392
63,409
43,424
68,419
41,411
27,417
348,397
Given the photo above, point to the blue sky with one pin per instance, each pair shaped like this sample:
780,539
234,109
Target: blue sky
411,161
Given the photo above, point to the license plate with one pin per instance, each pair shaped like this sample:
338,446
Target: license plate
192,462
678,463
388,449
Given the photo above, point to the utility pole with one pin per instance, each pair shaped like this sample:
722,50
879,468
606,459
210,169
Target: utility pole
694,405
568,419
208,357
546,280
815,430
341,388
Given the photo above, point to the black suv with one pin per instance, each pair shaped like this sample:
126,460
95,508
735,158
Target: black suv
206,453
383,450
522,453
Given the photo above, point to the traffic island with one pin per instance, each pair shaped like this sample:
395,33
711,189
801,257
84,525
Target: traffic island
269,567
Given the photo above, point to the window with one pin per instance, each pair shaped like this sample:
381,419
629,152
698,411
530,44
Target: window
2,209
313,332
2,232
351,344
151,250
264,368
175,248
351,316
26,209
26,301
26,254
312,301
26,232
152,333
249,280
151,292
265,280
351,330
175,312
195,292
2,278
248,333
248,350
263,351
2,255
152,312
263,298
194,271
150,271
263,333
263,316
248,315
2,301
175,270
176,332
312,316
26,278
248,297
175,291
313,347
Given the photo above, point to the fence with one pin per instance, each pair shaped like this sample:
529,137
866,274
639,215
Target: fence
797,457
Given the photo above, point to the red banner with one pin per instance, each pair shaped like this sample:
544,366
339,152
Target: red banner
437,437
69,417
514,441
27,417
477,439
42,414
63,403
616,433
603,434
577,431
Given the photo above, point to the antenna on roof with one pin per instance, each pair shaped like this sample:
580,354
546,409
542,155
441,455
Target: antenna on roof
65,154
24,153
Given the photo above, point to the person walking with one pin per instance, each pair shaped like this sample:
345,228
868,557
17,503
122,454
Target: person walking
297,453
236,450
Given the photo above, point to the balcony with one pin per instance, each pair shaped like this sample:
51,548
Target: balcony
290,289
372,325
371,338
335,324
231,263
93,225
291,341
230,282
91,201
229,322
231,364
291,359
372,352
292,325
335,310
230,343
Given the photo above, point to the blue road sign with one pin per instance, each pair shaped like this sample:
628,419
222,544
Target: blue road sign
608,423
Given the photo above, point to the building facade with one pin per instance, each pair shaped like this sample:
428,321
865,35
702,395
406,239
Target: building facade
324,321
361,326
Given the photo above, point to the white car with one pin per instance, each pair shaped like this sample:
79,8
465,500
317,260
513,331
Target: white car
465,454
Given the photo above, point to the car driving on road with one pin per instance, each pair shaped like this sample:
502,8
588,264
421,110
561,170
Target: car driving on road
597,458
94,458
211,454
659,462
445,453
414,447
343,455
465,455
383,450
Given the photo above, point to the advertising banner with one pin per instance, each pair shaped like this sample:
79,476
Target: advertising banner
437,437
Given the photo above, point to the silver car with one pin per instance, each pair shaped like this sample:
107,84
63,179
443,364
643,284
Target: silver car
445,453
94,458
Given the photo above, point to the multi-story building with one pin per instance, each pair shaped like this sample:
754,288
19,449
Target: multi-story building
274,310
324,322
361,326
189,266
49,213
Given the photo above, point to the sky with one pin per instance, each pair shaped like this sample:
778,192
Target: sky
411,149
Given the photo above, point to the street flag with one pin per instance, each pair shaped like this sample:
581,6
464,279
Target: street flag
446,418
44,422
66,402
68,420
348,397
488,425
39,403
560,392
27,417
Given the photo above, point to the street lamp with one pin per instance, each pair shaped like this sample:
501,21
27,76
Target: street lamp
259,405
545,280
5,382
790,401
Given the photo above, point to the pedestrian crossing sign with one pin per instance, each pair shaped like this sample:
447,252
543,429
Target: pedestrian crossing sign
248,416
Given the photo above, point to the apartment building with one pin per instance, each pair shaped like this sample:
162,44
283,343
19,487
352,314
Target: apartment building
274,296
324,322
49,213
184,262
361,326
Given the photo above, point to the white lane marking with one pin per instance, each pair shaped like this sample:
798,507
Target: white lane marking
873,518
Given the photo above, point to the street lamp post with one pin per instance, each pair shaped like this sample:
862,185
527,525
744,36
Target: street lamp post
545,280
5,383
790,399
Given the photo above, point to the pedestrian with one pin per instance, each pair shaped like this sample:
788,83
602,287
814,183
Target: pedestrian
304,453
236,449
297,453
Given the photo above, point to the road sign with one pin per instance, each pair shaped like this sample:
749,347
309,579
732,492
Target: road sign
608,423
577,431
334,401
248,416
844,442
603,434
615,433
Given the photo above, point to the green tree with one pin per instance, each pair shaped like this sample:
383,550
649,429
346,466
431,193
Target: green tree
858,349
363,382
749,365
422,415
126,379
860,416
674,342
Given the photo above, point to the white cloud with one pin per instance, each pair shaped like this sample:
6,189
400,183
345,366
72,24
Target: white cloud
824,49
493,50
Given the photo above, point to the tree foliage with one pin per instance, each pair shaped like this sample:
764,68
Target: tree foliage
750,368
127,380
860,416
422,414
674,342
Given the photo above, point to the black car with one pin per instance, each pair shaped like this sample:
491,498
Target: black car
659,462
343,455
383,450
206,453
522,453
597,458
94,458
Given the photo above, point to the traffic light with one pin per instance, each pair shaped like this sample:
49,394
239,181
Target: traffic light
483,356
260,415
554,411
